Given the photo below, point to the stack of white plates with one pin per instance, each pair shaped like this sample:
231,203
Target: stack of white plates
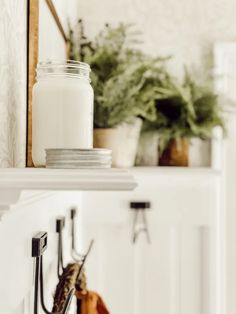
78,158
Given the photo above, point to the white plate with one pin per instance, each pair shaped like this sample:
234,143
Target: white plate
71,166
93,151
79,158
77,163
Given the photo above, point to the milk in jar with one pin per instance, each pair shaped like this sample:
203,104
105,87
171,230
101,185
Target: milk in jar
62,108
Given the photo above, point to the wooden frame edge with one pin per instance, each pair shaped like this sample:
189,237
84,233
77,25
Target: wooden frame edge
32,60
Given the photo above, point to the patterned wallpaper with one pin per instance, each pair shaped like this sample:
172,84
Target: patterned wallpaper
185,29
12,83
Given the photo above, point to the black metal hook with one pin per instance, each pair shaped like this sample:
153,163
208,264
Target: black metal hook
74,254
60,224
77,257
39,245
140,208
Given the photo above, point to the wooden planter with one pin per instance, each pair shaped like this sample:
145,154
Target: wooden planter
175,154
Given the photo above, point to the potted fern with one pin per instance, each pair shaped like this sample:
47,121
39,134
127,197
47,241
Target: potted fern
183,111
123,79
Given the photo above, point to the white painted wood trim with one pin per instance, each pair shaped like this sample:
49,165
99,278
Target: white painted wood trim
15,181
177,171
66,179
177,175
17,198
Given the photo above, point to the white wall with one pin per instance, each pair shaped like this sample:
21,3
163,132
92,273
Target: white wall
51,43
185,29
225,58
231,215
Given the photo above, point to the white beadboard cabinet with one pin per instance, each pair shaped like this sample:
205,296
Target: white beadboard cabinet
30,202
34,212
182,270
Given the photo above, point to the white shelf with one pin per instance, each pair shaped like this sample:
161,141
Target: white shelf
168,176
66,179
179,171
14,180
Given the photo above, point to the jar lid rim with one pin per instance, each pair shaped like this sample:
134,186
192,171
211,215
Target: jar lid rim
63,63
68,68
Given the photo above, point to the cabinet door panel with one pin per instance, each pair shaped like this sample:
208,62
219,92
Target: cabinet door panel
168,276
176,273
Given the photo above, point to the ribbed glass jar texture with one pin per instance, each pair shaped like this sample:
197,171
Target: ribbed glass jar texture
62,108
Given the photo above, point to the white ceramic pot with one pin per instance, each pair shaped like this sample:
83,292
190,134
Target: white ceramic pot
147,154
123,141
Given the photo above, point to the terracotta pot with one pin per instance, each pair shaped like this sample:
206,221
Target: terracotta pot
123,141
175,154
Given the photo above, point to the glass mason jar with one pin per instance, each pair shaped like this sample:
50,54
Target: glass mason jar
62,108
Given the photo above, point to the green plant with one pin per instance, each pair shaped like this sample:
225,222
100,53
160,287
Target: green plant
187,110
123,77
